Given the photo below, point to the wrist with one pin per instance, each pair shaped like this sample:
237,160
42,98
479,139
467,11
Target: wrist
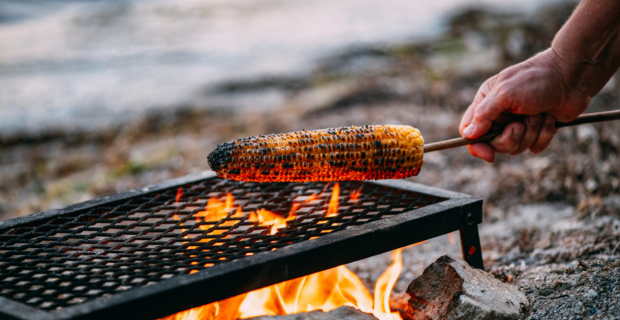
573,69
564,72
563,83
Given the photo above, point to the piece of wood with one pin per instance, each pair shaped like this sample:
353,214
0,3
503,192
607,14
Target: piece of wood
584,118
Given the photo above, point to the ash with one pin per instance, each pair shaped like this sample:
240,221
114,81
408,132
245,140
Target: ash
551,221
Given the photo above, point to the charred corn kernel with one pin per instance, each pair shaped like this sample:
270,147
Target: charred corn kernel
347,153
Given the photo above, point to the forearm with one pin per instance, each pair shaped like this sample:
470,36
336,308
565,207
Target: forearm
556,84
587,48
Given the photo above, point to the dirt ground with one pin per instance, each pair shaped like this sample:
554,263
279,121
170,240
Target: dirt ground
551,220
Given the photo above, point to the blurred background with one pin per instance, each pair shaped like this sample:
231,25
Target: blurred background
99,97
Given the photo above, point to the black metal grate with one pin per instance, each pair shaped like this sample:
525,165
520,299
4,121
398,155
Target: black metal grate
98,252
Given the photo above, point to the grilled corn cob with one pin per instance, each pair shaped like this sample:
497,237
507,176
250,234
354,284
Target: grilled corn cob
347,153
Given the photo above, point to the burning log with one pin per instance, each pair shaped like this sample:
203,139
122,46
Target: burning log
451,289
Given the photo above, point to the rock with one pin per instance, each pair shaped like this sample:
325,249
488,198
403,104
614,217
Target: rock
591,294
342,313
451,289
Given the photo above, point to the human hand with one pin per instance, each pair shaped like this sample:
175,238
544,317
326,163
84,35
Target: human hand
537,88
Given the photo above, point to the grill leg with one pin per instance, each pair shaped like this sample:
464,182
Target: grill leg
470,244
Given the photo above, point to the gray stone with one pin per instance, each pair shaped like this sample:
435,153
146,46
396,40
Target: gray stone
342,313
451,289
591,295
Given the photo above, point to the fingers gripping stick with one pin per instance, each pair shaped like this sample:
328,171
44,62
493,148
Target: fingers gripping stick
458,142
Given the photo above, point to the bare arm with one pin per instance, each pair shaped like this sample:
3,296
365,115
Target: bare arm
557,83
588,46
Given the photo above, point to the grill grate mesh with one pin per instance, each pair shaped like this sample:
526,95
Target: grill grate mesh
114,247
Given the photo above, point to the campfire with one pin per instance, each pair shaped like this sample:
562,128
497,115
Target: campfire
325,290
237,249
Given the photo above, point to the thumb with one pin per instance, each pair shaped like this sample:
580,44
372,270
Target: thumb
489,109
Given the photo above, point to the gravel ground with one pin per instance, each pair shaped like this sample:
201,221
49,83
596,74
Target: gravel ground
579,290
544,214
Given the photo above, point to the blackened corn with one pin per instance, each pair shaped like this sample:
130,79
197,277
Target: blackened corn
347,153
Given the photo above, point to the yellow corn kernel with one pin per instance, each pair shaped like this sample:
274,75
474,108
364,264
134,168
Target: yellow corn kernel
347,153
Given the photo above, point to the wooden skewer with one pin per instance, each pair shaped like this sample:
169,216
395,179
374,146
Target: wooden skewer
584,118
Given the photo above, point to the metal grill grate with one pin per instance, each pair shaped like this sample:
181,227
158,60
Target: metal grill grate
71,258
75,258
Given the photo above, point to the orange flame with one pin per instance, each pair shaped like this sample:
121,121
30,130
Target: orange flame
332,209
296,205
325,290
355,194
384,286
217,210
179,194
176,216
268,218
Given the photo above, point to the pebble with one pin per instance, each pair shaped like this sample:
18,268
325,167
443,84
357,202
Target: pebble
591,294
